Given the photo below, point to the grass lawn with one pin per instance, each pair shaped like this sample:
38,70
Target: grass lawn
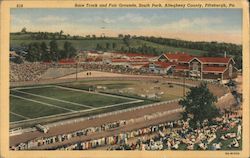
91,44
32,109
90,99
165,48
50,101
31,106
14,118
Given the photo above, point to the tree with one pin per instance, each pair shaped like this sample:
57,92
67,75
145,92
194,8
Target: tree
53,36
199,105
69,51
113,45
126,40
60,34
75,37
18,60
33,54
98,46
122,48
46,56
120,36
46,35
54,50
24,30
107,45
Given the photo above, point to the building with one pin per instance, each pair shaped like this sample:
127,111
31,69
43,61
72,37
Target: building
160,67
183,64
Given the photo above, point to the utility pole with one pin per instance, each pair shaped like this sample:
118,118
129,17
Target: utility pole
76,59
184,83
76,70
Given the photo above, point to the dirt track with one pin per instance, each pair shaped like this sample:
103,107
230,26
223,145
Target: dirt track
122,116
83,74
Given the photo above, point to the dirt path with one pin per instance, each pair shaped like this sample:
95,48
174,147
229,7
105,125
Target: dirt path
83,74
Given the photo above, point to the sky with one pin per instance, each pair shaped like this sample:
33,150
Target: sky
222,25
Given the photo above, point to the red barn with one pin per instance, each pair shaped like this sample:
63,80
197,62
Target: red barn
200,67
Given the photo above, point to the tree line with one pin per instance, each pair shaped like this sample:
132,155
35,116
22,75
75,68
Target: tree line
60,35
40,51
143,49
213,48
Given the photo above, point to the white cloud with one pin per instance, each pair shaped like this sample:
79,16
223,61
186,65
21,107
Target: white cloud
127,18
96,19
108,21
134,18
88,19
18,20
185,23
51,18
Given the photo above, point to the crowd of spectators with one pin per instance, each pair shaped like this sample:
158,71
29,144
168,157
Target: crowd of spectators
27,71
34,71
221,133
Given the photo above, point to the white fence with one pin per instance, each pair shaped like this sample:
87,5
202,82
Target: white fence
108,114
18,131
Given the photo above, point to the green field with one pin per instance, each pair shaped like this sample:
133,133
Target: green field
34,102
29,103
82,97
91,44
31,109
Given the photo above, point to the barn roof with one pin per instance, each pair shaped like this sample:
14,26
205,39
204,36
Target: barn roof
223,60
214,69
164,64
176,56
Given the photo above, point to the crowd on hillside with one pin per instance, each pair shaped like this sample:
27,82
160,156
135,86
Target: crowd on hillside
222,133
27,71
34,71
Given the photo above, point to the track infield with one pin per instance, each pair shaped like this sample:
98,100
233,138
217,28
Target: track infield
51,100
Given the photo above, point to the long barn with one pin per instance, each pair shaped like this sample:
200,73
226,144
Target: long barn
183,64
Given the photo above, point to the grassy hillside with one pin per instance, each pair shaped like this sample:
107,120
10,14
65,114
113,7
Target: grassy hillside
165,48
90,43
